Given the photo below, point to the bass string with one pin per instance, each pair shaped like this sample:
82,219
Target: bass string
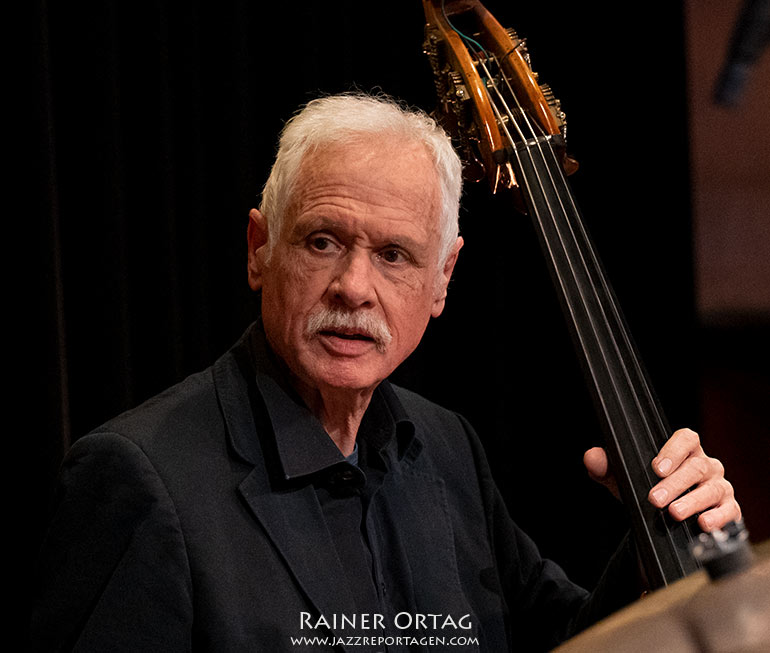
632,359
537,140
583,249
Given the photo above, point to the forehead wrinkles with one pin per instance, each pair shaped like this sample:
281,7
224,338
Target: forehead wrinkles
368,175
346,192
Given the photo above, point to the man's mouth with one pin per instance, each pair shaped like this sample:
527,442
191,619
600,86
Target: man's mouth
354,331
347,343
347,336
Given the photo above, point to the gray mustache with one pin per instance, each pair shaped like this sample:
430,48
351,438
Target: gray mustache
364,322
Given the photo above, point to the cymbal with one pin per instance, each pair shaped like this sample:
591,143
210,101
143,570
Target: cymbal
694,614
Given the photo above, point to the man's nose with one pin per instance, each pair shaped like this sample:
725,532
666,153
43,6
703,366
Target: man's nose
353,284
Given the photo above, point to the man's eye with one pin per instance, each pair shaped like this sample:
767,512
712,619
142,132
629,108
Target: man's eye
321,243
393,255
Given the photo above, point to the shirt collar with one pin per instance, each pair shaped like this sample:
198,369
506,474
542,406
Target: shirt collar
303,446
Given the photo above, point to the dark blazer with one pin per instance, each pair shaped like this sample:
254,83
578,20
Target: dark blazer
172,533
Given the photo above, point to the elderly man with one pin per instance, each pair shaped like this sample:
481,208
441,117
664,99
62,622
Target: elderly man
290,498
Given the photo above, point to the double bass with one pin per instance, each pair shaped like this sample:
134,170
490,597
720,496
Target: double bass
511,131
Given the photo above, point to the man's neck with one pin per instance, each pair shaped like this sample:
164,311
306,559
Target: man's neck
339,411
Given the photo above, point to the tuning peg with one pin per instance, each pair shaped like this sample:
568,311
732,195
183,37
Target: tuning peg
521,45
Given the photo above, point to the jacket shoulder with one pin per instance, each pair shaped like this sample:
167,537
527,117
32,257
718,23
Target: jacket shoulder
186,409
431,417
448,438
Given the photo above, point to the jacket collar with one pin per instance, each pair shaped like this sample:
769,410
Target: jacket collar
251,376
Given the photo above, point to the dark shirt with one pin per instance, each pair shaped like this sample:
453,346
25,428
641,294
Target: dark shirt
346,488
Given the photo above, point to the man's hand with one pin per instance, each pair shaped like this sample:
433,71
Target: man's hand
682,465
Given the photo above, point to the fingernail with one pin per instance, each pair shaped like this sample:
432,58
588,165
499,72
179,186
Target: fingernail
659,496
664,466
678,507
708,522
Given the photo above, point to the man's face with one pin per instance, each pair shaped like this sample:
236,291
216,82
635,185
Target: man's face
361,237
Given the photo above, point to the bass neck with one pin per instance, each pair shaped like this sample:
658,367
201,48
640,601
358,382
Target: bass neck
630,414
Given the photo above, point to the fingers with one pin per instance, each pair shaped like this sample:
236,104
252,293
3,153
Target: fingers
721,515
693,471
683,465
715,501
677,449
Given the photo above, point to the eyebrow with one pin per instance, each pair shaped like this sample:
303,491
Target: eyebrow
323,222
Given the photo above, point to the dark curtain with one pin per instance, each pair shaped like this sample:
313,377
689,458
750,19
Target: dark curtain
155,125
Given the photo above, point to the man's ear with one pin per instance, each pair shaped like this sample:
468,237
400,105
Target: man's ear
257,239
445,276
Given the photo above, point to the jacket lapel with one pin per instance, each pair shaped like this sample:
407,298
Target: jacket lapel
294,522
292,518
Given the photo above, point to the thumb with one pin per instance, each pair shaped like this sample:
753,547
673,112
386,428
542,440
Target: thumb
595,461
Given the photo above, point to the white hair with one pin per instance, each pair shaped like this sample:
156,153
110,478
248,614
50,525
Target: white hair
335,119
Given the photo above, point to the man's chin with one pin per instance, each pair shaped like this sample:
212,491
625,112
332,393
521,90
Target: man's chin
349,374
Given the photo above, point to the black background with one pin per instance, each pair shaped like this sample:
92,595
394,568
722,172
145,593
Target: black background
156,124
